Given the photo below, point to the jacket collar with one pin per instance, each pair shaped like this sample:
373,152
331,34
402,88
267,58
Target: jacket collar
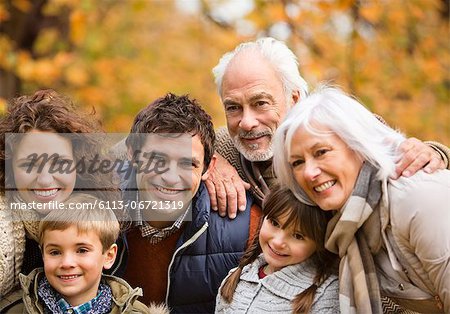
123,293
201,206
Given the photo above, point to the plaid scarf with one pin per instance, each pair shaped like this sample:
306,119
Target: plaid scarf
355,234
55,303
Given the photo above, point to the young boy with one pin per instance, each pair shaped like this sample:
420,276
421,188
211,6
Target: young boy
77,244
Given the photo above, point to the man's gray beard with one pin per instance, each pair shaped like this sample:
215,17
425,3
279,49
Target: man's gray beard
253,155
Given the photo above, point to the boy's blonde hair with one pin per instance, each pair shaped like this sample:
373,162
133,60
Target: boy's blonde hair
86,216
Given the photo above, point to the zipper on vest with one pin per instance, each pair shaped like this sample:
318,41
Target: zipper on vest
187,243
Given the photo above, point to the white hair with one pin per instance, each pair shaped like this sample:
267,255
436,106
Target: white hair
277,54
330,107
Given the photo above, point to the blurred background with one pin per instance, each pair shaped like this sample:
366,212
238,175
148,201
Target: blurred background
118,56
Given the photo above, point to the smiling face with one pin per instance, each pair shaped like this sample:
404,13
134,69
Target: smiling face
41,181
73,263
324,167
283,247
254,103
180,164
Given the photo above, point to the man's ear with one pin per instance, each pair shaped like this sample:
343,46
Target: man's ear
295,97
110,256
211,166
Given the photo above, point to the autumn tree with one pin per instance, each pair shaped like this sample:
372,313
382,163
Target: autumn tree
393,55
116,56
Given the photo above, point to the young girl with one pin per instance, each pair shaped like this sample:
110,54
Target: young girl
287,268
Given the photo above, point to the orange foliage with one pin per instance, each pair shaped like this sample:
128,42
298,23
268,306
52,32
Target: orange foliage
117,56
22,5
77,26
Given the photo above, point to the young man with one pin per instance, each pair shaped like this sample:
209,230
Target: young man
77,245
179,250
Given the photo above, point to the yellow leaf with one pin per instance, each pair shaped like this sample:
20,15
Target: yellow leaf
25,66
3,105
325,5
4,14
276,12
372,12
345,4
397,17
70,3
46,72
77,75
417,12
433,66
92,96
62,59
22,5
120,122
77,26
360,48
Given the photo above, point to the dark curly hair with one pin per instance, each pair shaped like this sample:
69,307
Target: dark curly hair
46,110
174,114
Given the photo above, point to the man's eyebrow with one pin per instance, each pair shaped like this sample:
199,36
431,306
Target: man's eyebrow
229,102
155,153
260,96
194,160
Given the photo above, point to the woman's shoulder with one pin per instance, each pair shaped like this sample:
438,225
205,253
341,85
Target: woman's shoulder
419,181
419,211
420,189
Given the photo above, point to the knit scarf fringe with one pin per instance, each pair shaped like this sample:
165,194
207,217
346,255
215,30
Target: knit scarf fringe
359,290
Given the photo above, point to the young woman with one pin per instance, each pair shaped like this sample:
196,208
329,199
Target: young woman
287,268
42,138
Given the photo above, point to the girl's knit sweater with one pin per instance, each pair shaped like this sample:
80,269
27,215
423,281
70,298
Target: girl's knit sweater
274,293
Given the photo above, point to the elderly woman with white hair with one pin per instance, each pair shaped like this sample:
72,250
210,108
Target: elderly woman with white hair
393,236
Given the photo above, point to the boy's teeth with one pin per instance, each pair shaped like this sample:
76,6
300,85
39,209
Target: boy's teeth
324,186
46,192
68,277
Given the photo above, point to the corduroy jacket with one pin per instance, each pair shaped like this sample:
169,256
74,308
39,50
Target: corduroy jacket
124,298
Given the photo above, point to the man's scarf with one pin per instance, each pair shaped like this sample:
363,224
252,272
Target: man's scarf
355,233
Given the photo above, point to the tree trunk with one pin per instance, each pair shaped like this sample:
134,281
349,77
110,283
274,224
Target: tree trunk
22,28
